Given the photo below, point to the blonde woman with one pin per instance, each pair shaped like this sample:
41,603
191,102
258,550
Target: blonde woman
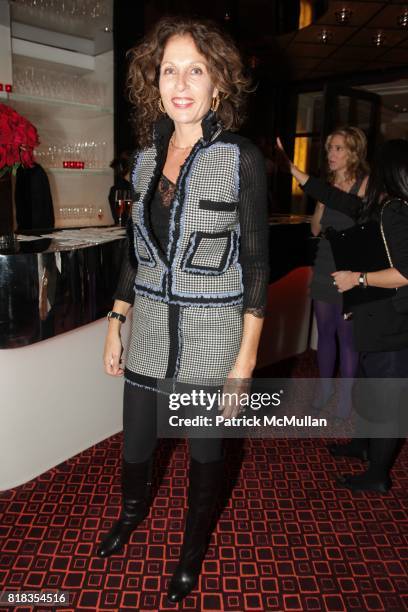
347,170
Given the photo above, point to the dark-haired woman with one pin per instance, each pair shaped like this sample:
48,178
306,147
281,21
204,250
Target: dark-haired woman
380,325
200,230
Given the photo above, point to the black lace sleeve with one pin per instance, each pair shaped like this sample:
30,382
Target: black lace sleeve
124,290
253,215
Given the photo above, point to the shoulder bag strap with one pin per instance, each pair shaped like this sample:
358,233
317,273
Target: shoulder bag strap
382,227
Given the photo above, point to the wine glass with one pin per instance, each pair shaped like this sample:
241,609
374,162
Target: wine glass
123,201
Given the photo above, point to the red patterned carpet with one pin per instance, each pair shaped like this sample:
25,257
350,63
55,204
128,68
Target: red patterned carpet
288,539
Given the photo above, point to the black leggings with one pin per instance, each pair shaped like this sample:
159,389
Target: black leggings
140,429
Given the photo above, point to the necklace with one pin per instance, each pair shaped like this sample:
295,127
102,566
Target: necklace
180,148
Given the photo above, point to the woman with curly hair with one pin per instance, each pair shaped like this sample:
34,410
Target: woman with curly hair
347,170
200,230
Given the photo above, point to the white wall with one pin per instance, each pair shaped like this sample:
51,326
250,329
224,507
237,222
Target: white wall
55,402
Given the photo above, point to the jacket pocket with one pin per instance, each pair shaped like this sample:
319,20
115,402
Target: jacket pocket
218,206
144,253
209,253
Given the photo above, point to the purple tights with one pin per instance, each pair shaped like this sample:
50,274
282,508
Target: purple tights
330,323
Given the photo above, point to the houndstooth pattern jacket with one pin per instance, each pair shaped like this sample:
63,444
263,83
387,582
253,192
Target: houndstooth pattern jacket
188,302
201,264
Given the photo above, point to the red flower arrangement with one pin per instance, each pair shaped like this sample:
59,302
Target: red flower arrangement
18,138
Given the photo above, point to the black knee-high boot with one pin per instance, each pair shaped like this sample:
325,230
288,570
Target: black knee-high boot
358,448
136,490
381,455
204,487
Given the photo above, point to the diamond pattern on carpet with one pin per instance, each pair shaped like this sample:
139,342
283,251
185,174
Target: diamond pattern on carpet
287,539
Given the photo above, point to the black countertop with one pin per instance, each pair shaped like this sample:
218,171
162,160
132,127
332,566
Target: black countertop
67,278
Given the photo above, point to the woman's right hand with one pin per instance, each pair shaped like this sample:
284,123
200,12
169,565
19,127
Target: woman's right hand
288,165
112,353
282,158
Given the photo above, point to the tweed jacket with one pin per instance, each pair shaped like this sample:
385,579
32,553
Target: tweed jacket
201,265
190,290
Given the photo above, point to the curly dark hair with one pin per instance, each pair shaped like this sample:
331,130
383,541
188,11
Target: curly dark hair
224,65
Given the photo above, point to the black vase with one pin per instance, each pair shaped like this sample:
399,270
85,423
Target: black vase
7,238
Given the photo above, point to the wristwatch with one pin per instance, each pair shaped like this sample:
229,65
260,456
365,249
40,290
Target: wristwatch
362,280
116,315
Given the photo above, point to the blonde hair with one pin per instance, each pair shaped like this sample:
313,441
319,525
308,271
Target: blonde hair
355,142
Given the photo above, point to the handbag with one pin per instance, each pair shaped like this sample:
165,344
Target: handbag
357,248
400,299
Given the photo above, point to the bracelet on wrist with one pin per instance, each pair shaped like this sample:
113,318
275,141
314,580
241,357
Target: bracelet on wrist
116,315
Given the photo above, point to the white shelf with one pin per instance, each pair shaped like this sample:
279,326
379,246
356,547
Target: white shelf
73,171
79,48
64,108
52,54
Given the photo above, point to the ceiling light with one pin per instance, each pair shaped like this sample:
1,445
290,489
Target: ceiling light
378,39
343,15
403,18
325,36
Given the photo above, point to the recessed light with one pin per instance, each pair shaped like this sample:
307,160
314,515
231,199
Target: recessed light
403,18
343,15
324,36
378,39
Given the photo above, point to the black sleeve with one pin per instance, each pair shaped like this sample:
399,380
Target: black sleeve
347,203
125,287
395,224
253,216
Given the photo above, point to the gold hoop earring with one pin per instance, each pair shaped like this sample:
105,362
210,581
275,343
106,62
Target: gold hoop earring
161,107
215,103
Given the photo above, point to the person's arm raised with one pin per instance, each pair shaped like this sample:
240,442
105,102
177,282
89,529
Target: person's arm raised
332,197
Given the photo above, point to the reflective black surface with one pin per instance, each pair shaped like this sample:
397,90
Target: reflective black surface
291,246
47,288
45,291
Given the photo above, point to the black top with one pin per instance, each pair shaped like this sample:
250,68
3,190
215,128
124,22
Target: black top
160,211
253,226
321,287
395,218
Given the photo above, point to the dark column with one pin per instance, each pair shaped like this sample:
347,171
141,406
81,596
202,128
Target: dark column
128,24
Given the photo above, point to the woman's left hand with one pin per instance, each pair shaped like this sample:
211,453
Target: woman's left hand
345,280
238,382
